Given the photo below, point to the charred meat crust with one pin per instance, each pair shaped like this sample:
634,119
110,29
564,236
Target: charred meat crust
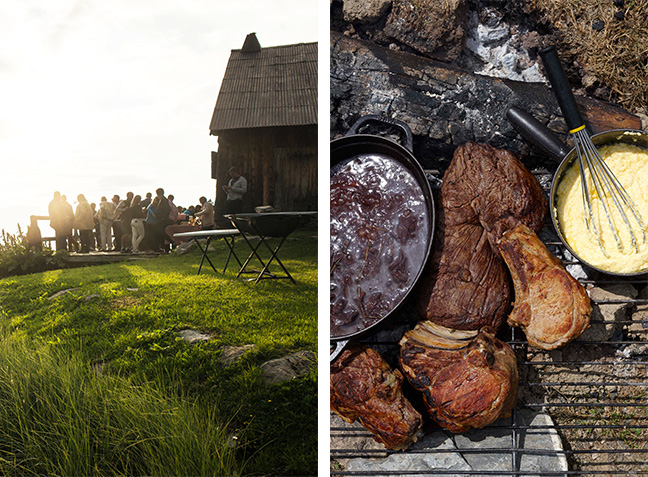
485,192
365,388
467,384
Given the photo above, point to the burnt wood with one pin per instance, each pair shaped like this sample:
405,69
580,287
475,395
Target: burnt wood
446,106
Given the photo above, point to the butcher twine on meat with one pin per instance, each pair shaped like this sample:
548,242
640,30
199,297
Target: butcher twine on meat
468,378
366,388
485,192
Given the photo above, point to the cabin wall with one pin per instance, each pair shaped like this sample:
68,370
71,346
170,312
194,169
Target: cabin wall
280,165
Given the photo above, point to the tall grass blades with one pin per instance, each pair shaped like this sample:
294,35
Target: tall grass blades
60,417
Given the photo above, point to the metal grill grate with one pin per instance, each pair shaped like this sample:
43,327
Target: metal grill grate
594,390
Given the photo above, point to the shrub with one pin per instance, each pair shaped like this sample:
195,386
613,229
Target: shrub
17,258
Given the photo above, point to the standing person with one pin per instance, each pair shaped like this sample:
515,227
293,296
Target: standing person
34,238
95,240
206,214
137,214
127,231
84,222
235,190
68,224
118,228
173,210
147,201
106,214
163,211
151,240
55,210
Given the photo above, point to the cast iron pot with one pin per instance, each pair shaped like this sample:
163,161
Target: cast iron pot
350,146
545,139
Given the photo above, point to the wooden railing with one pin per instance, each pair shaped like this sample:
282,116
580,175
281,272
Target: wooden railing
44,240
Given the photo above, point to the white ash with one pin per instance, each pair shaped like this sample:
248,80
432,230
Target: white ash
499,48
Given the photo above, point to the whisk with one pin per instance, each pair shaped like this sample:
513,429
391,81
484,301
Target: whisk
606,186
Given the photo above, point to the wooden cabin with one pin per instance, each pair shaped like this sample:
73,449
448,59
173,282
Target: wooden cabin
266,122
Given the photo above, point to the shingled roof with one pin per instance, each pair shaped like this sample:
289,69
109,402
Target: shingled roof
266,87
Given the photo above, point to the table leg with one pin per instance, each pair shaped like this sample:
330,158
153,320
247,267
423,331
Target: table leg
252,254
204,256
273,256
231,252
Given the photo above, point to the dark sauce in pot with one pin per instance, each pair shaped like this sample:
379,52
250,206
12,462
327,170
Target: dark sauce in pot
380,231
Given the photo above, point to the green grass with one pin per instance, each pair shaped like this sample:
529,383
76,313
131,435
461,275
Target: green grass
132,335
57,417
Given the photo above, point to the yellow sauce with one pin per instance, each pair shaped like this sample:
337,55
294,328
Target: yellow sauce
630,165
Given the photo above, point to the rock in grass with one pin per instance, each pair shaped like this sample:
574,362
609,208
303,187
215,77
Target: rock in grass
232,353
289,367
61,293
598,26
619,15
193,336
185,247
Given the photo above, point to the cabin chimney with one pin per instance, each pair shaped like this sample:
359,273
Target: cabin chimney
251,44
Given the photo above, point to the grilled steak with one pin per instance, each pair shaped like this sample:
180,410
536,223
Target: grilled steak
366,388
550,305
468,378
485,192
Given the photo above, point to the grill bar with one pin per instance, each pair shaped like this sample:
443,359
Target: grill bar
501,450
496,472
583,363
519,427
582,383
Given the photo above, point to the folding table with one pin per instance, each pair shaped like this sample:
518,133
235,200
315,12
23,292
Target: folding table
227,235
267,225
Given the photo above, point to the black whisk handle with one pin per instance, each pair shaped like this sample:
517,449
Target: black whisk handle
561,88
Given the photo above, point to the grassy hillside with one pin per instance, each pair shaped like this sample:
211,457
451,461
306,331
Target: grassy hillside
119,326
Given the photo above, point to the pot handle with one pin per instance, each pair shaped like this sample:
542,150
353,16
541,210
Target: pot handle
409,142
537,133
336,349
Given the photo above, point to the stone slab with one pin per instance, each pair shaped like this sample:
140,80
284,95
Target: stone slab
449,454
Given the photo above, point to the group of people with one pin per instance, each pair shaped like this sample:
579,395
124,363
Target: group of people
136,224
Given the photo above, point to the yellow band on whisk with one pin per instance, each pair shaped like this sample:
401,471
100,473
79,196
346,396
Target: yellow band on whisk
579,128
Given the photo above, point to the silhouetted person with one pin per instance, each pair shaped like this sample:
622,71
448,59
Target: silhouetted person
147,200
84,222
120,206
34,238
137,214
163,211
68,224
55,210
106,215
95,243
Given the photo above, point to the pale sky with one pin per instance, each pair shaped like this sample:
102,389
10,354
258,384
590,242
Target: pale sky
104,97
